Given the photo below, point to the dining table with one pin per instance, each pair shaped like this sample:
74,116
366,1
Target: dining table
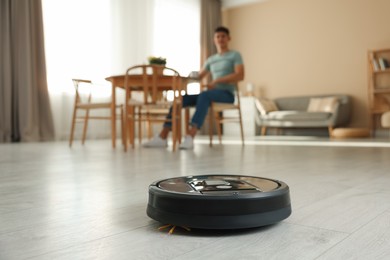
164,83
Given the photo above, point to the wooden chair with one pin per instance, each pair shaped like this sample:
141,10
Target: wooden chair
83,101
217,114
152,80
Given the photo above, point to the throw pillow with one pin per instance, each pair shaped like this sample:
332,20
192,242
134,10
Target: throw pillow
326,104
265,106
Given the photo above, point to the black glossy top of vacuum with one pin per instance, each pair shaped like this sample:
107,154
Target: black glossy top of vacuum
219,201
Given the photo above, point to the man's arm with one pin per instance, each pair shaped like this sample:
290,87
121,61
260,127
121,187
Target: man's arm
234,77
203,76
203,73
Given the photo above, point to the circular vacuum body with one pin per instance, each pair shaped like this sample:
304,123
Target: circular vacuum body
219,201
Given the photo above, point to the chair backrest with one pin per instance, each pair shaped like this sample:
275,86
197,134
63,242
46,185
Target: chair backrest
152,79
82,96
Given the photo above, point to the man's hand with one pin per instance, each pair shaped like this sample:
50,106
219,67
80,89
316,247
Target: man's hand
234,77
211,85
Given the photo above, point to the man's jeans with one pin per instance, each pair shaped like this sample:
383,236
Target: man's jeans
202,103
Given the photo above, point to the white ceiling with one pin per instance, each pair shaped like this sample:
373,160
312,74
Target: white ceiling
234,3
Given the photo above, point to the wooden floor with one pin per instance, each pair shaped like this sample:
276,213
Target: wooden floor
89,202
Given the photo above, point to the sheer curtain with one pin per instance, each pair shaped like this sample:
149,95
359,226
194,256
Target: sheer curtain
78,45
176,33
131,32
176,36
94,39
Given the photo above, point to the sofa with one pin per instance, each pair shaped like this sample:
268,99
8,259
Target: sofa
316,111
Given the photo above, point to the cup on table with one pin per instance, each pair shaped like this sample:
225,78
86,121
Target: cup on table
194,75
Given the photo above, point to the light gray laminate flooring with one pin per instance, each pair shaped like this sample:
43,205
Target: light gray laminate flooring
89,202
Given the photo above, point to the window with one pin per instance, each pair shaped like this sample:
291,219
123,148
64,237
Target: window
176,31
93,39
77,41
85,42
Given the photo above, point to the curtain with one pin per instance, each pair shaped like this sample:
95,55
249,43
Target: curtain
25,113
211,18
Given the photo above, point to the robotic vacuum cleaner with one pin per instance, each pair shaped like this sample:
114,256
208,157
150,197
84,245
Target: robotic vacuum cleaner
219,201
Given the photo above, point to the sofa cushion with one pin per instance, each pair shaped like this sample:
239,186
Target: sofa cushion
265,106
325,104
298,115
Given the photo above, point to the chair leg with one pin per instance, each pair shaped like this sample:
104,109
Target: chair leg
263,130
211,113
218,123
129,127
179,125
174,127
132,126
72,128
150,129
140,130
241,128
122,126
330,130
113,121
125,120
187,119
86,118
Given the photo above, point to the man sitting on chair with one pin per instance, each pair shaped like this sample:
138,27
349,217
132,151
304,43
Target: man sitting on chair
226,68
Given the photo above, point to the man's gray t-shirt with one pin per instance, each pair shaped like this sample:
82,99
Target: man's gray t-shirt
222,65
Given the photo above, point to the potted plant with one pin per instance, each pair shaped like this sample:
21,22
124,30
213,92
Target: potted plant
157,61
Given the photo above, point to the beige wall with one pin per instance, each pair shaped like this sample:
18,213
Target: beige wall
304,47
